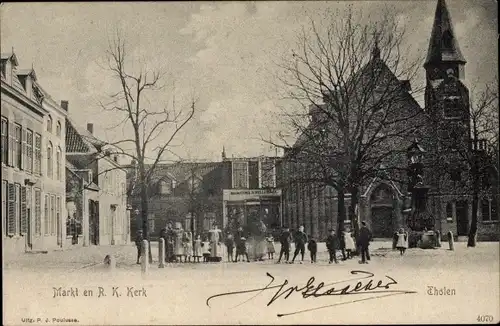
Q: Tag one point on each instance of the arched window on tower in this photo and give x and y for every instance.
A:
(447, 40)
(451, 107)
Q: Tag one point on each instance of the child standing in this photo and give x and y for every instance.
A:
(241, 249)
(349, 243)
(332, 244)
(230, 247)
(197, 252)
(206, 251)
(402, 241)
(285, 239)
(312, 246)
(270, 246)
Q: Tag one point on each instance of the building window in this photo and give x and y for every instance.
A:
(4, 204)
(58, 163)
(489, 209)
(46, 220)
(449, 211)
(267, 174)
(52, 214)
(38, 212)
(451, 108)
(28, 165)
(58, 129)
(38, 154)
(165, 187)
(49, 160)
(240, 175)
(5, 141)
(17, 155)
(49, 124)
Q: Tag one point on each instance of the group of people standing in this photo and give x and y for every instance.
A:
(180, 247)
(343, 242)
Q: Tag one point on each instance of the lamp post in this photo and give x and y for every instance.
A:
(419, 218)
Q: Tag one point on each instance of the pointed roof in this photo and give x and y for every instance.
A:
(443, 45)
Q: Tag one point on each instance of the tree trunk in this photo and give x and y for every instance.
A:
(475, 200)
(144, 215)
(352, 209)
(341, 216)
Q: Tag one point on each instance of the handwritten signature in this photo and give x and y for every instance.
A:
(312, 290)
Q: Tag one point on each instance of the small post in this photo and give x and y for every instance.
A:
(438, 239)
(161, 253)
(110, 262)
(450, 240)
(144, 257)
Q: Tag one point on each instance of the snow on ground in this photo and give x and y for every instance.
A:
(177, 294)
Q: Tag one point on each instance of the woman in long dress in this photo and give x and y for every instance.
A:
(188, 246)
(178, 243)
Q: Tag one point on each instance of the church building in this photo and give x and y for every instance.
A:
(448, 143)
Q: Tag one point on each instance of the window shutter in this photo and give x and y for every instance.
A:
(38, 212)
(24, 213)
(23, 149)
(11, 221)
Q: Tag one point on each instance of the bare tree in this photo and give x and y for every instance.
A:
(356, 114)
(154, 128)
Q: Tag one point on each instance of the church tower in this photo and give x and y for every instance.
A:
(446, 96)
(448, 125)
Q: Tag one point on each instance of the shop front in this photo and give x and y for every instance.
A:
(243, 206)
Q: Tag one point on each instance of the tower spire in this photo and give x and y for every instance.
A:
(443, 45)
(223, 152)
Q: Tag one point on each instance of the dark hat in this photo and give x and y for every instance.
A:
(363, 223)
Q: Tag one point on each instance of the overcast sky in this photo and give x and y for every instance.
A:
(226, 52)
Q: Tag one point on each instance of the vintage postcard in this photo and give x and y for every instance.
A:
(250, 162)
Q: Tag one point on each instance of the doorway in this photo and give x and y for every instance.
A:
(382, 226)
(462, 211)
(381, 203)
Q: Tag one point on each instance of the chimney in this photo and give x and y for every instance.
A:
(90, 128)
(64, 105)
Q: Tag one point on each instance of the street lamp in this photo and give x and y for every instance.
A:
(419, 218)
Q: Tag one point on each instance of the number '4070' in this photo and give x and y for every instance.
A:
(484, 318)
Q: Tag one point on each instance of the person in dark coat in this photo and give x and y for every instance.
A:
(138, 243)
(169, 235)
(364, 238)
(229, 242)
(285, 239)
(332, 244)
(300, 244)
(312, 246)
